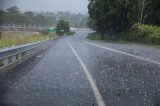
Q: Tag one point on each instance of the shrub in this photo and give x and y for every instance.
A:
(143, 33)
(62, 27)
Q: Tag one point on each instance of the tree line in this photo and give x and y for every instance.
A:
(119, 15)
(13, 16)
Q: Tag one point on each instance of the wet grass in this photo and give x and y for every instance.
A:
(10, 39)
(97, 36)
(94, 36)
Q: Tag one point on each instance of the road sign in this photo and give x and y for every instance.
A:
(51, 29)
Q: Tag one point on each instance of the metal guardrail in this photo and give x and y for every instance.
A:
(11, 56)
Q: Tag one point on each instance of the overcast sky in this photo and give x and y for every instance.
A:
(75, 6)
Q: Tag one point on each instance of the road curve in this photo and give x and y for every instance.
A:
(79, 72)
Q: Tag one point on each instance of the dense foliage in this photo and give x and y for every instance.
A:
(143, 33)
(117, 16)
(62, 27)
(114, 15)
(9, 39)
(13, 16)
(152, 12)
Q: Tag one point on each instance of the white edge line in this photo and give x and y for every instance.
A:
(94, 87)
(124, 53)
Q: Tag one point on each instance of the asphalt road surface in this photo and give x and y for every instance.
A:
(79, 72)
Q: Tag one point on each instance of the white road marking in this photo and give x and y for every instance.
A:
(124, 53)
(94, 87)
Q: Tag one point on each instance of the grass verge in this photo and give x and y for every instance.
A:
(97, 36)
(94, 36)
(10, 39)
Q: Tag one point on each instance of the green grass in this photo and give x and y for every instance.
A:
(94, 36)
(97, 36)
(9, 39)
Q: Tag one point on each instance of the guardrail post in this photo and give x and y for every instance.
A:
(5, 61)
(19, 56)
(13, 58)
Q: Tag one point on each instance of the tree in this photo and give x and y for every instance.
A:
(29, 16)
(13, 10)
(113, 15)
(2, 16)
(125, 13)
(12, 15)
(62, 27)
(97, 11)
(152, 12)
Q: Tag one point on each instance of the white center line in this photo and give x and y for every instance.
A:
(124, 53)
(94, 87)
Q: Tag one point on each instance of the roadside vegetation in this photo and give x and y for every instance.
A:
(128, 20)
(11, 39)
(95, 36)
(63, 28)
(138, 33)
(143, 34)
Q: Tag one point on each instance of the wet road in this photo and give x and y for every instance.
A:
(79, 72)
